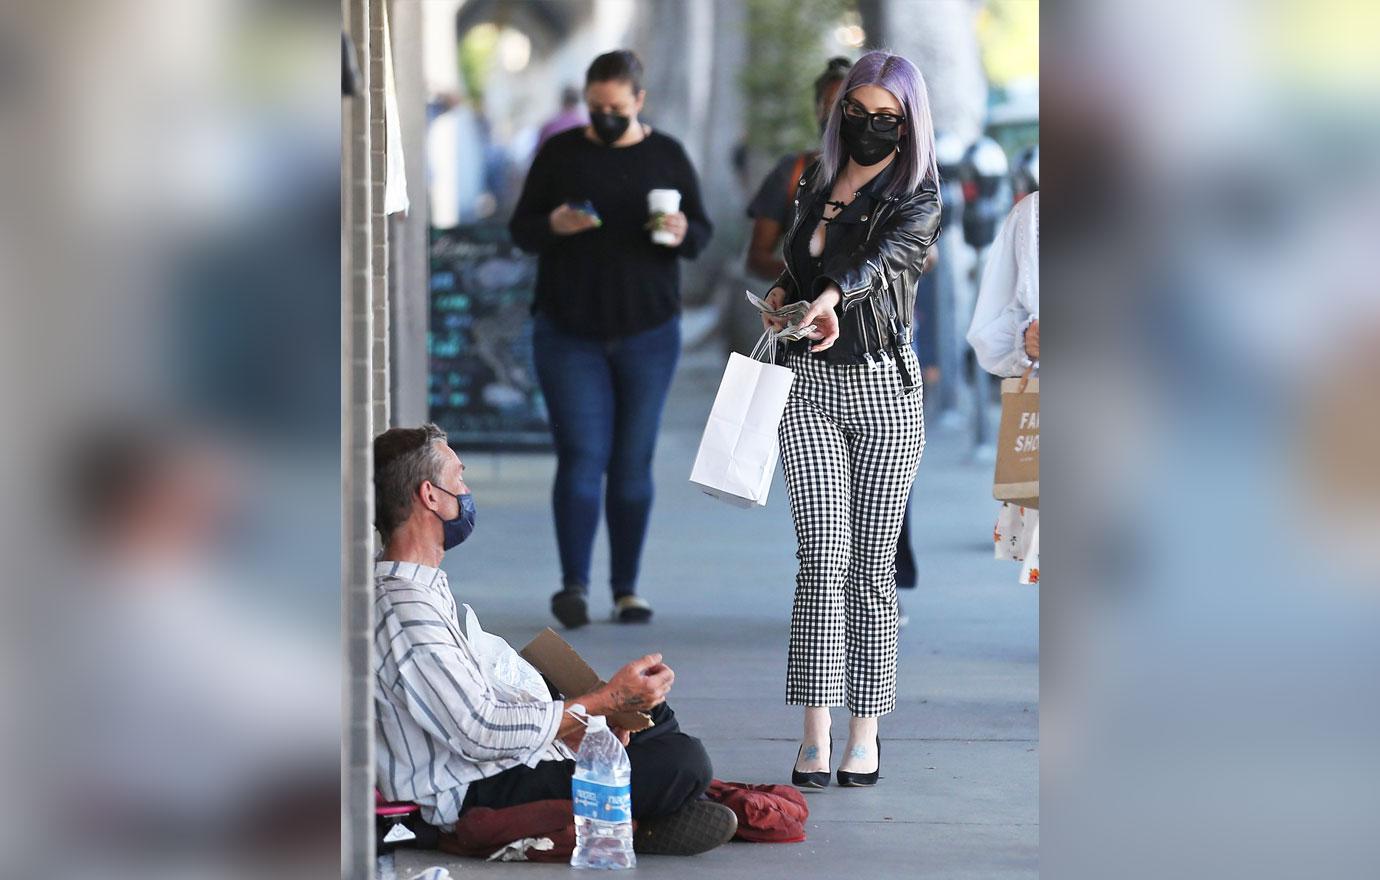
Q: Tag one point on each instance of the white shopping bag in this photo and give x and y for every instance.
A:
(738, 452)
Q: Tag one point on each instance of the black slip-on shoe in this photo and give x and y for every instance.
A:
(571, 608)
(695, 828)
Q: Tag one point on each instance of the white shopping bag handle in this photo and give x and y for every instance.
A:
(767, 345)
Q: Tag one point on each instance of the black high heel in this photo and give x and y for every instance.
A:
(848, 779)
(809, 780)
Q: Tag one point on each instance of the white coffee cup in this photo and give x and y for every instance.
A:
(663, 201)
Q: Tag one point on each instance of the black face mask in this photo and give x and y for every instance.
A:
(865, 146)
(609, 126)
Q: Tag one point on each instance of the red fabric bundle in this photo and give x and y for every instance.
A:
(766, 813)
(482, 831)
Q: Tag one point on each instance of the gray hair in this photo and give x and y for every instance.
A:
(404, 458)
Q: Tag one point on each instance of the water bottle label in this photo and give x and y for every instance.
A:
(602, 803)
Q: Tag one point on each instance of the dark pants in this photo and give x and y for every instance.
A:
(605, 398)
(925, 341)
(925, 336)
(670, 768)
(906, 575)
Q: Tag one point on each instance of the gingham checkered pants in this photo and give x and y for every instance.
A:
(850, 443)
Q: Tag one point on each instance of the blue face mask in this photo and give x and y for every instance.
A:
(460, 528)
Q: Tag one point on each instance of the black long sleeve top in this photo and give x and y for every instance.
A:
(611, 281)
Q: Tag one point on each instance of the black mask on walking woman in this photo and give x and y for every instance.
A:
(609, 126)
(865, 146)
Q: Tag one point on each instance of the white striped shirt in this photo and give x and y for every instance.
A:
(443, 721)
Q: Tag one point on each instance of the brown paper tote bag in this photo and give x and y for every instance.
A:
(1017, 477)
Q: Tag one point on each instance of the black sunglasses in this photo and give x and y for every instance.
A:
(879, 122)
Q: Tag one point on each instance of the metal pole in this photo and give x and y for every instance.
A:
(357, 535)
(984, 443)
(948, 338)
(955, 307)
(378, 170)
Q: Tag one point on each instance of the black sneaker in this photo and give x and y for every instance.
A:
(571, 608)
(695, 828)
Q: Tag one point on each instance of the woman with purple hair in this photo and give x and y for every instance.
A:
(865, 215)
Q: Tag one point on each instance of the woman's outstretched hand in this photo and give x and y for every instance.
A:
(822, 315)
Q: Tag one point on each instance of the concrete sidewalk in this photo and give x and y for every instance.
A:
(960, 793)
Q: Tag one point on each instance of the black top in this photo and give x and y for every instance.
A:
(859, 332)
(776, 195)
(612, 281)
(804, 266)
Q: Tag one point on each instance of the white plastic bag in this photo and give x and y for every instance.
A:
(504, 665)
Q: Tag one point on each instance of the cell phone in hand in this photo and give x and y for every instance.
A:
(587, 207)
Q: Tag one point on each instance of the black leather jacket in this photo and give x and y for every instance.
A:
(881, 271)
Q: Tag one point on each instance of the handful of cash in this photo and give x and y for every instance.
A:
(792, 313)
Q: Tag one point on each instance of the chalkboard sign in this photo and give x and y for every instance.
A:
(483, 388)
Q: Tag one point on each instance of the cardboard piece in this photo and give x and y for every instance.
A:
(554, 658)
(1017, 474)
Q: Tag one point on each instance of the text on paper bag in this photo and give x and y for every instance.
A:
(1029, 438)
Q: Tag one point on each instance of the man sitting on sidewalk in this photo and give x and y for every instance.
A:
(460, 720)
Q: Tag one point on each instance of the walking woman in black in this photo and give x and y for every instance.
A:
(865, 215)
(599, 209)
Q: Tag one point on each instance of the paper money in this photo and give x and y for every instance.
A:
(792, 313)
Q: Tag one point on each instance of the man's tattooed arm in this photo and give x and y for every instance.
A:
(629, 701)
(637, 687)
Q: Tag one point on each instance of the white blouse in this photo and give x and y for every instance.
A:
(1009, 298)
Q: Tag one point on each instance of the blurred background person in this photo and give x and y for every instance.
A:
(211, 728)
(853, 429)
(774, 202)
(455, 136)
(1005, 336)
(572, 115)
(925, 343)
(606, 336)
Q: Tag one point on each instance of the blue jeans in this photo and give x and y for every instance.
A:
(605, 399)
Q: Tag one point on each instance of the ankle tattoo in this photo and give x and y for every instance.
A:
(811, 753)
(858, 752)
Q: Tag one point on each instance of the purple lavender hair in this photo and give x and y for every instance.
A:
(916, 162)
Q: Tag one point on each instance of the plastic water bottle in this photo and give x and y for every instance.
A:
(602, 792)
